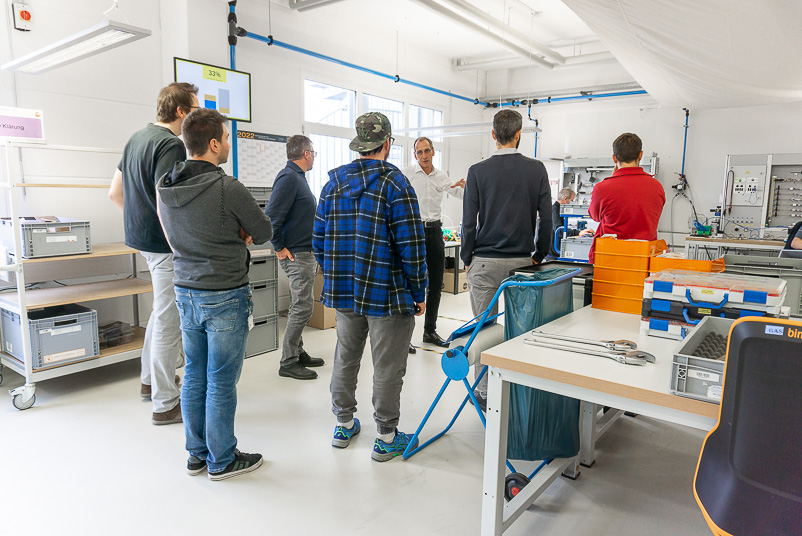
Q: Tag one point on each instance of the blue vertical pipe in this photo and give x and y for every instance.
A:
(684, 142)
(233, 62)
(536, 137)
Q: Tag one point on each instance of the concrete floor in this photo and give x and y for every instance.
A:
(86, 460)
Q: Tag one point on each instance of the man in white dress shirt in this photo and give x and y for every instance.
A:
(429, 184)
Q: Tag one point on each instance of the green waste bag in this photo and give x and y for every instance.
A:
(542, 425)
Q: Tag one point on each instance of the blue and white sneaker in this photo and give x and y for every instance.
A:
(343, 435)
(383, 452)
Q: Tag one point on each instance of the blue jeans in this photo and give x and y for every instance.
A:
(214, 327)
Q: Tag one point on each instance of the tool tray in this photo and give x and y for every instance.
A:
(714, 291)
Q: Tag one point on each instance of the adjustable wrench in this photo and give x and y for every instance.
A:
(634, 357)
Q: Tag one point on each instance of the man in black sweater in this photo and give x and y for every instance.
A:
(504, 195)
(292, 211)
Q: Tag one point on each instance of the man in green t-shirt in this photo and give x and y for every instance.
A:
(149, 154)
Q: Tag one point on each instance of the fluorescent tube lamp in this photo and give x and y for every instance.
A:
(93, 40)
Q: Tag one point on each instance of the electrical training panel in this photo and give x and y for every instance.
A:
(762, 193)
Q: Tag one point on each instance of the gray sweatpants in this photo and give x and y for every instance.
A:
(389, 346)
(485, 275)
(162, 336)
(301, 273)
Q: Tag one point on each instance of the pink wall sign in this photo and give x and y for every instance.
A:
(20, 123)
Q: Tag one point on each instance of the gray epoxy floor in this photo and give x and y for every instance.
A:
(86, 460)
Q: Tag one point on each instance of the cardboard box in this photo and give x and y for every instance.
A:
(322, 317)
(448, 281)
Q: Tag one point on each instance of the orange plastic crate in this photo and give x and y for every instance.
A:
(620, 275)
(619, 290)
(658, 264)
(619, 261)
(630, 247)
(618, 304)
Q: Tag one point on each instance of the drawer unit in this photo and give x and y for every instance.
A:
(263, 267)
(265, 294)
(59, 335)
(263, 337)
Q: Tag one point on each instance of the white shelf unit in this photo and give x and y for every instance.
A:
(22, 300)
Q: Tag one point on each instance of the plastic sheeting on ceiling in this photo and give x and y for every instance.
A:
(704, 53)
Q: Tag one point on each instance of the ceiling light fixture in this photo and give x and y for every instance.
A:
(104, 36)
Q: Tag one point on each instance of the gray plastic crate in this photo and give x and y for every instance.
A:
(265, 298)
(263, 268)
(574, 247)
(699, 377)
(59, 335)
(47, 238)
(788, 269)
(261, 193)
(263, 337)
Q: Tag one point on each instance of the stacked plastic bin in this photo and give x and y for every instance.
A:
(263, 276)
(674, 301)
(620, 268)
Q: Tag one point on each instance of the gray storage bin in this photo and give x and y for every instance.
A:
(699, 377)
(59, 335)
(43, 238)
(263, 337)
(265, 298)
(261, 193)
(574, 247)
(263, 268)
(788, 269)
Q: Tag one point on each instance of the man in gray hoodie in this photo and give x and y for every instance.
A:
(208, 219)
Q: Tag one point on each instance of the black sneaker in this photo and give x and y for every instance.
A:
(296, 371)
(307, 360)
(195, 465)
(243, 463)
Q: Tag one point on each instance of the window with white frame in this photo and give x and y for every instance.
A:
(329, 105)
(329, 115)
(393, 109)
(332, 152)
(420, 117)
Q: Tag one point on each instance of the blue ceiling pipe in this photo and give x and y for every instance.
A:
(395, 78)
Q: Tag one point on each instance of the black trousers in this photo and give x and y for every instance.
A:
(435, 263)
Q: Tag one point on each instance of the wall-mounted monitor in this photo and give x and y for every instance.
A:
(221, 89)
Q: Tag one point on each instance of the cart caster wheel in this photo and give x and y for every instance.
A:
(21, 404)
(513, 484)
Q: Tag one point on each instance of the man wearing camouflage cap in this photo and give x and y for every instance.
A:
(368, 237)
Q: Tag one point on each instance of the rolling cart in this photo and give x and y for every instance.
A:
(481, 332)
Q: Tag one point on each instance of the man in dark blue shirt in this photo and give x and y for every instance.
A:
(148, 155)
(292, 211)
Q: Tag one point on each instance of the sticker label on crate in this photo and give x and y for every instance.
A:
(67, 238)
(705, 311)
(702, 375)
(569, 254)
(775, 330)
(707, 291)
(60, 331)
(714, 391)
(60, 356)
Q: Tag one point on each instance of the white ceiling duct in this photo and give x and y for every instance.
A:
(304, 5)
(711, 54)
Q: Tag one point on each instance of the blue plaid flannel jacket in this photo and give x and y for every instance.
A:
(368, 237)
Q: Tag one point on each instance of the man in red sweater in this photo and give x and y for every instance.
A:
(627, 204)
